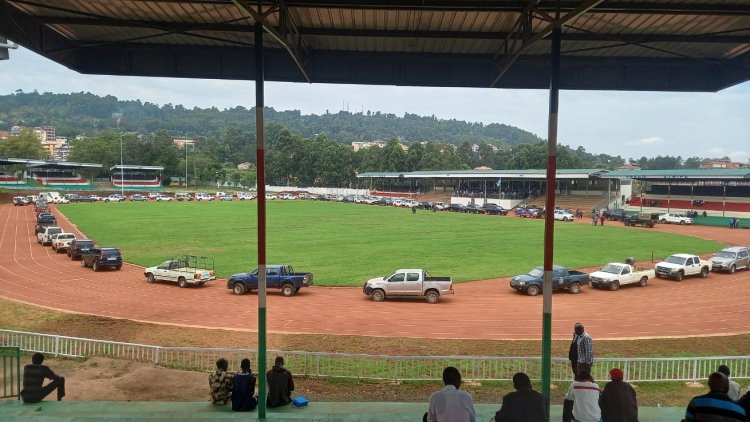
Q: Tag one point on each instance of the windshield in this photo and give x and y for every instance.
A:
(536, 272)
(676, 260)
(85, 243)
(66, 236)
(111, 252)
(726, 254)
(54, 231)
(612, 269)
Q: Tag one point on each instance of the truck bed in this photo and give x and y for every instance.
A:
(434, 278)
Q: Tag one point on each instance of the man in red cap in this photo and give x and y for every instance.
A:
(618, 401)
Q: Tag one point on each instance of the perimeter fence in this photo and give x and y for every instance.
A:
(376, 367)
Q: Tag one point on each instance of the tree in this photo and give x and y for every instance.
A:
(393, 157)
(465, 154)
(25, 145)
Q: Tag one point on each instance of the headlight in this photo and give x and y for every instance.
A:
(521, 283)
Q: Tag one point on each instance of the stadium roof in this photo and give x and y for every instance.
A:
(63, 165)
(129, 167)
(680, 174)
(485, 174)
(14, 161)
(664, 45)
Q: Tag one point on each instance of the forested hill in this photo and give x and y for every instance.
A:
(85, 113)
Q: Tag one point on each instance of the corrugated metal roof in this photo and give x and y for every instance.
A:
(484, 174)
(680, 174)
(446, 43)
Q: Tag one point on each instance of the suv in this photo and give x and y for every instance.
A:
(18, 200)
(97, 258)
(615, 215)
(45, 237)
(200, 196)
(675, 219)
(731, 259)
(79, 247)
(490, 208)
(183, 196)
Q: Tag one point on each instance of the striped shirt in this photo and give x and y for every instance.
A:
(714, 407)
(585, 396)
(585, 349)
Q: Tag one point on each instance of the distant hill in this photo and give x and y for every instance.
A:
(85, 113)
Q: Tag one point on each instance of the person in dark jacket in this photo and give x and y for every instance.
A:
(33, 378)
(243, 389)
(524, 404)
(618, 401)
(716, 405)
(280, 384)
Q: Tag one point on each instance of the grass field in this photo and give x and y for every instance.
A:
(344, 244)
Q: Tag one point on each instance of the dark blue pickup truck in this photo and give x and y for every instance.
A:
(277, 277)
(562, 279)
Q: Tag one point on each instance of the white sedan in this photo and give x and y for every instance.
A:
(563, 215)
(270, 197)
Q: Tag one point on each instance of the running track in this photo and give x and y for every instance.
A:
(487, 309)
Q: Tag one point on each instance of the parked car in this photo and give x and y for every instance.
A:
(43, 223)
(164, 198)
(245, 196)
(61, 242)
(494, 209)
(183, 196)
(678, 266)
(95, 198)
(18, 201)
(563, 215)
(138, 198)
(184, 271)
(79, 198)
(614, 215)
(642, 218)
(532, 282)
(153, 195)
(270, 197)
(79, 247)
(614, 275)
(287, 196)
(277, 277)
(473, 209)
(98, 258)
(201, 196)
(529, 212)
(225, 197)
(115, 197)
(731, 259)
(44, 237)
(455, 208)
(408, 283)
(675, 219)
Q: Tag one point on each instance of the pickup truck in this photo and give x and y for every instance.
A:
(643, 218)
(675, 219)
(563, 215)
(562, 279)
(277, 277)
(185, 271)
(408, 283)
(45, 236)
(61, 242)
(679, 265)
(614, 275)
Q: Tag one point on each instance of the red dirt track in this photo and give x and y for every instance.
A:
(486, 309)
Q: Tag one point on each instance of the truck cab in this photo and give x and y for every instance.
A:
(678, 266)
(281, 277)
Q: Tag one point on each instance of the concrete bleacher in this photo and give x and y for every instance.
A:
(12, 411)
(737, 204)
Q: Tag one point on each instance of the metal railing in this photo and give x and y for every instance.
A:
(10, 383)
(377, 367)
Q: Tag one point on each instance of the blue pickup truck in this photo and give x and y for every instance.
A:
(562, 279)
(277, 277)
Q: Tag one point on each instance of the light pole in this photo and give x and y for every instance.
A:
(186, 167)
(122, 172)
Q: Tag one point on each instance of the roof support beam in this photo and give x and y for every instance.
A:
(569, 16)
(292, 43)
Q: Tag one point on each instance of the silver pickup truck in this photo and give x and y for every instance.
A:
(408, 283)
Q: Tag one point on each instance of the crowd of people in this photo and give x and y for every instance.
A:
(584, 401)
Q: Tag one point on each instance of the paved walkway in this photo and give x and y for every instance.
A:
(169, 411)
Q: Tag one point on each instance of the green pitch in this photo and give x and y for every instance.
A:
(345, 244)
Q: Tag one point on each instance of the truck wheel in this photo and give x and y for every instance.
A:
(663, 221)
(83, 262)
(704, 272)
(287, 290)
(614, 285)
(682, 222)
(378, 295)
(643, 281)
(651, 225)
(680, 275)
(732, 269)
(182, 282)
(432, 297)
(532, 290)
(150, 278)
(95, 266)
(238, 289)
(575, 288)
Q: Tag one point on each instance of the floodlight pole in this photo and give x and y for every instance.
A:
(261, 166)
(122, 171)
(549, 214)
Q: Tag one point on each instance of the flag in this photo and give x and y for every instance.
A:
(498, 182)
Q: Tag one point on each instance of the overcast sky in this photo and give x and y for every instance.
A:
(630, 124)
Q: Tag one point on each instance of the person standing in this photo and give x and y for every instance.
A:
(33, 378)
(601, 219)
(581, 353)
(524, 404)
(243, 389)
(280, 384)
(618, 401)
(584, 395)
(734, 388)
(220, 383)
(450, 403)
(716, 405)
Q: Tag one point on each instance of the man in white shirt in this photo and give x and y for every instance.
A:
(451, 404)
(584, 393)
(734, 387)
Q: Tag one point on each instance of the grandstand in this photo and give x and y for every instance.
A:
(11, 175)
(61, 175)
(132, 177)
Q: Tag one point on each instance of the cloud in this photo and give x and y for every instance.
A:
(653, 140)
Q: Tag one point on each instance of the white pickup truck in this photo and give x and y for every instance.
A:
(563, 215)
(679, 265)
(61, 242)
(185, 271)
(675, 219)
(408, 283)
(614, 275)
